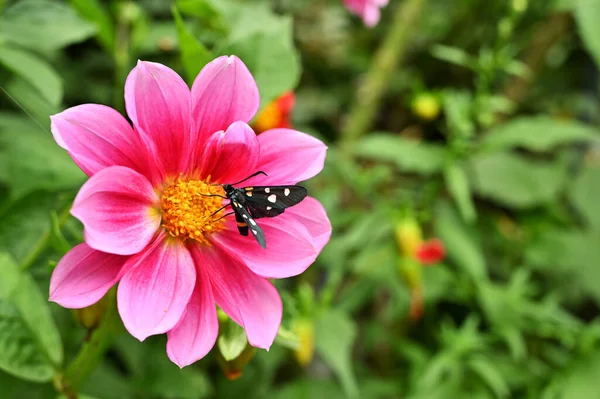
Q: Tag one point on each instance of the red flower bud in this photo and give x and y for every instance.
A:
(431, 252)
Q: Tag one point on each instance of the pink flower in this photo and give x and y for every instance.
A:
(148, 228)
(368, 10)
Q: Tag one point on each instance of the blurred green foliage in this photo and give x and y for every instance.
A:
(487, 135)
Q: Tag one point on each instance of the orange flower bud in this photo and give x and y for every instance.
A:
(233, 369)
(276, 114)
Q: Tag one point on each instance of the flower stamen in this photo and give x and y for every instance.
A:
(192, 209)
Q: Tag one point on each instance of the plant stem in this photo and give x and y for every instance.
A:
(544, 38)
(43, 242)
(91, 352)
(368, 96)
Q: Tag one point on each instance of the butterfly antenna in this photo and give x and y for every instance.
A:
(24, 110)
(217, 211)
(260, 172)
(212, 195)
(225, 215)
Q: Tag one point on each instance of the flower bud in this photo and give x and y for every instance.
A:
(426, 106)
(430, 252)
(91, 316)
(129, 11)
(276, 114)
(233, 369)
(304, 328)
(410, 270)
(408, 236)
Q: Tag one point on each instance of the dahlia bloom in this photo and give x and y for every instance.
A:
(368, 10)
(149, 225)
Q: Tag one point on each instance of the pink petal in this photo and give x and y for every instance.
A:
(237, 154)
(313, 216)
(368, 10)
(288, 157)
(250, 300)
(290, 249)
(157, 287)
(97, 137)
(159, 102)
(211, 152)
(197, 331)
(371, 15)
(355, 6)
(83, 276)
(118, 209)
(224, 92)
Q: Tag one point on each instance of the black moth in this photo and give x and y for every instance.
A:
(249, 203)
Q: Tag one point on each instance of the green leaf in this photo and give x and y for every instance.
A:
(460, 241)
(584, 195)
(25, 95)
(581, 379)
(335, 333)
(537, 134)
(30, 345)
(165, 380)
(453, 55)
(409, 155)
(287, 339)
(515, 181)
(57, 239)
(264, 41)
(33, 160)
(458, 186)
(26, 223)
(43, 25)
(106, 375)
(572, 254)
(310, 388)
(458, 107)
(587, 15)
(193, 53)
(35, 71)
(490, 374)
(96, 13)
(232, 340)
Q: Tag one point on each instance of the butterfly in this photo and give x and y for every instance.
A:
(250, 203)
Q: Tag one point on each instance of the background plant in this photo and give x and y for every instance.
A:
(476, 119)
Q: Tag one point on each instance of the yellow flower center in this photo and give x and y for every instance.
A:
(190, 209)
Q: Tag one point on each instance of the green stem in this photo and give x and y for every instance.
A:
(44, 240)
(332, 284)
(368, 96)
(92, 351)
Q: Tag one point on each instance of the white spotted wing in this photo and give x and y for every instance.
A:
(246, 223)
(270, 201)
